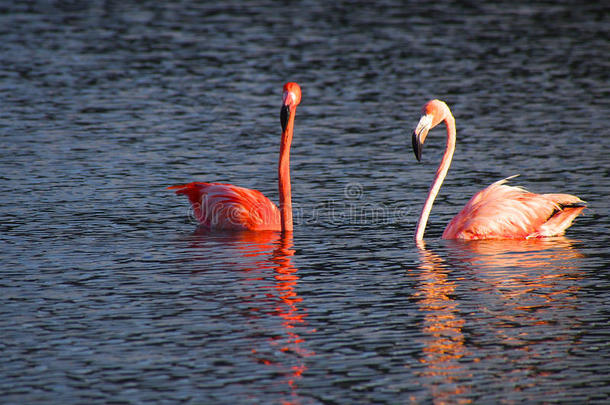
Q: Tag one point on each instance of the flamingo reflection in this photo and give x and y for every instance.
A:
(554, 252)
(529, 283)
(289, 310)
(265, 257)
(444, 340)
(513, 293)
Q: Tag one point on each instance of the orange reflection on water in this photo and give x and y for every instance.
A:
(292, 315)
(269, 258)
(444, 345)
(532, 292)
(520, 268)
(520, 253)
(526, 292)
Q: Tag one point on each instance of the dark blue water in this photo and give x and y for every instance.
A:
(110, 294)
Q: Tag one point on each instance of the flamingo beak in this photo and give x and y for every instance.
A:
(419, 135)
(284, 114)
(288, 100)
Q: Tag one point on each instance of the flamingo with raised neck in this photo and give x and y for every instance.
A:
(219, 206)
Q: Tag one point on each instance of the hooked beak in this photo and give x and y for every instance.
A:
(288, 100)
(419, 135)
(284, 114)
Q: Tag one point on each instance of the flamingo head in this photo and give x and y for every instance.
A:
(433, 113)
(290, 99)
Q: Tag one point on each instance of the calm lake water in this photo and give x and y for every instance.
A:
(110, 294)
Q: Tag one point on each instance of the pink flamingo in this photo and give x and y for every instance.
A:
(220, 206)
(498, 211)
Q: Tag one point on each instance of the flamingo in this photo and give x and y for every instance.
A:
(498, 211)
(219, 206)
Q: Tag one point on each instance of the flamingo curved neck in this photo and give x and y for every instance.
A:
(284, 176)
(441, 173)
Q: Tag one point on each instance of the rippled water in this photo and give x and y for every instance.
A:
(109, 293)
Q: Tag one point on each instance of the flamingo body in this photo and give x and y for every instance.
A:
(498, 211)
(505, 212)
(227, 207)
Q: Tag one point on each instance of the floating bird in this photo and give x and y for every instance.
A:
(219, 206)
(498, 211)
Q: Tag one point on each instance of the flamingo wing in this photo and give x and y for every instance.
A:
(227, 207)
(506, 212)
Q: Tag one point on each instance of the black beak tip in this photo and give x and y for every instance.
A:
(284, 114)
(417, 146)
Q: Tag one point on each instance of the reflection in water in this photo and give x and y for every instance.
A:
(520, 270)
(282, 350)
(444, 341)
(521, 253)
(514, 294)
(289, 311)
(528, 296)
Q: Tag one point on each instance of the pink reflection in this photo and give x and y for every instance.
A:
(526, 253)
(444, 343)
(527, 291)
(530, 288)
(519, 270)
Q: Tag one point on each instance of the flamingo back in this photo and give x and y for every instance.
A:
(227, 207)
(506, 212)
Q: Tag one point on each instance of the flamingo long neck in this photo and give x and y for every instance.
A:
(284, 175)
(441, 173)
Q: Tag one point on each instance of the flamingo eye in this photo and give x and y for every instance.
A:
(293, 98)
(425, 122)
